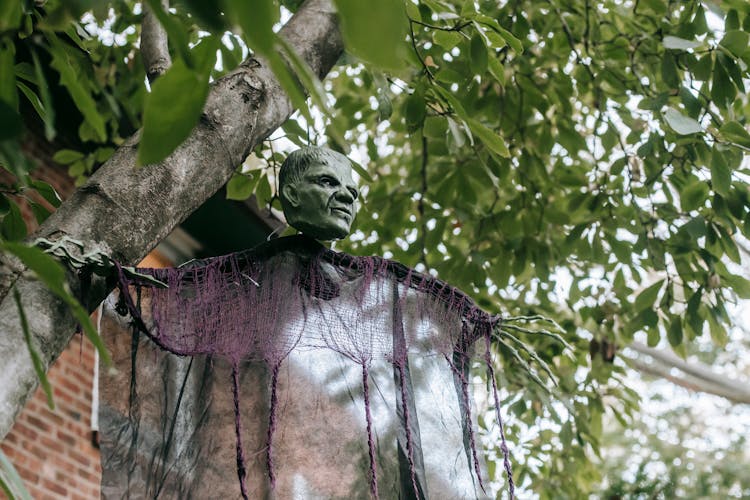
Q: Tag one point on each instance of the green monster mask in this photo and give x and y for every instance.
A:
(318, 193)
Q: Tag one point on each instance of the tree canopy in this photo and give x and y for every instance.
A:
(566, 159)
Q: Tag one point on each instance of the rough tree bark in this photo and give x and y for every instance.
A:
(125, 211)
(154, 44)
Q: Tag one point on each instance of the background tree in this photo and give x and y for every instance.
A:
(578, 160)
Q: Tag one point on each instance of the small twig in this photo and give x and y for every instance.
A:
(514, 352)
(154, 44)
(420, 203)
(416, 51)
(534, 317)
(545, 333)
(457, 27)
(530, 352)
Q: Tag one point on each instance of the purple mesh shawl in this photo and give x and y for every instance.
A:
(292, 294)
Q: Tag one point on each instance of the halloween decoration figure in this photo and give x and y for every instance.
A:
(318, 193)
(298, 371)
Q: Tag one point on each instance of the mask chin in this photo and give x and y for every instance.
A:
(320, 230)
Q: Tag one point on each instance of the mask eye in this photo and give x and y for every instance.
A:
(326, 182)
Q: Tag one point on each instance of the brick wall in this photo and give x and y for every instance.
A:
(54, 451)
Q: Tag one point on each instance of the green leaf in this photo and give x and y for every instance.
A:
(240, 186)
(39, 211)
(702, 68)
(722, 88)
(47, 192)
(52, 274)
(509, 38)
(693, 195)
(734, 132)
(449, 98)
(414, 110)
(721, 176)
(652, 337)
(680, 123)
(478, 55)
(171, 111)
(669, 71)
(8, 93)
(717, 330)
(673, 42)
(67, 156)
(4, 205)
(310, 81)
(362, 171)
(446, 39)
(10, 14)
(10, 481)
(46, 97)
(739, 285)
(256, 17)
(496, 69)
(732, 21)
(674, 333)
(209, 13)
(489, 138)
(647, 297)
(33, 99)
(736, 42)
(13, 227)
(10, 119)
(385, 105)
(699, 23)
(375, 31)
(67, 65)
(10, 122)
(36, 360)
(728, 244)
(457, 133)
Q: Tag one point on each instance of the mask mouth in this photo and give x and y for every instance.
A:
(342, 210)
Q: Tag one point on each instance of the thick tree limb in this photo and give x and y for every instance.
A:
(695, 376)
(125, 211)
(154, 44)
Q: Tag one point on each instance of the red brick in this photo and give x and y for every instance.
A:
(53, 417)
(27, 475)
(55, 487)
(36, 492)
(37, 451)
(66, 438)
(11, 439)
(52, 445)
(21, 429)
(87, 475)
(79, 457)
(72, 385)
(66, 466)
(37, 423)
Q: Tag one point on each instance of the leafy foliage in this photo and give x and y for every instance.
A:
(10, 482)
(576, 160)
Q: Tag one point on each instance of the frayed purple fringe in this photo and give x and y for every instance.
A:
(230, 307)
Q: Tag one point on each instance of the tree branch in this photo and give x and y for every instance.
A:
(125, 211)
(154, 44)
(697, 377)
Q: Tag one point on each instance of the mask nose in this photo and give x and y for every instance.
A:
(344, 195)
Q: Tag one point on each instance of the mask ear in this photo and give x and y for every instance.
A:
(289, 192)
